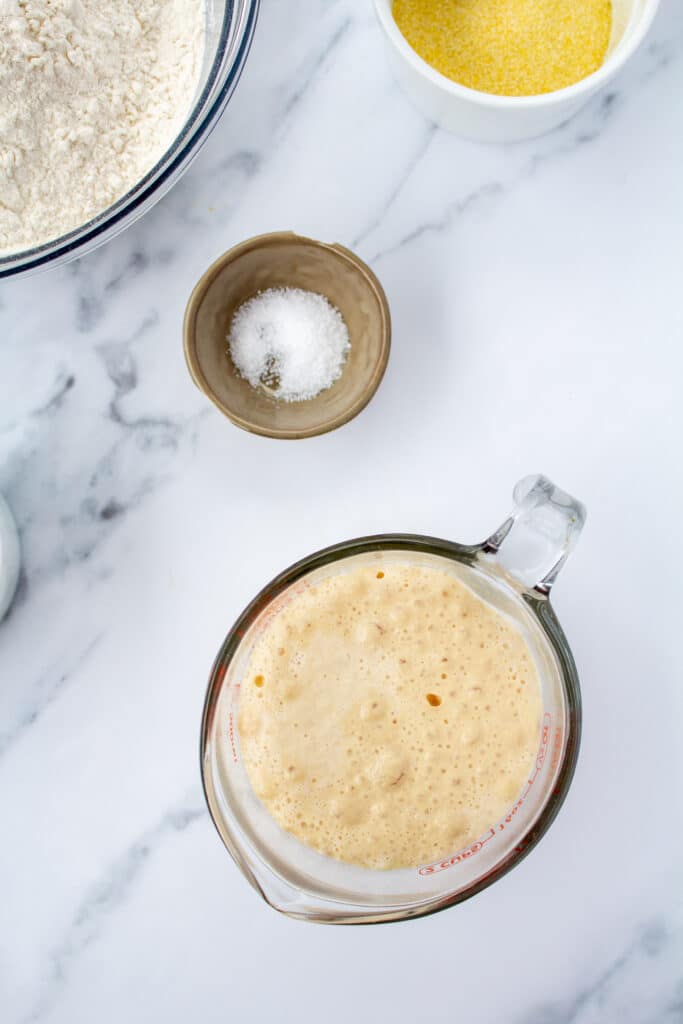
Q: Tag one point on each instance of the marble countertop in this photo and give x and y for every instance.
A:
(536, 297)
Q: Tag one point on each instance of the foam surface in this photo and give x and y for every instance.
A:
(389, 716)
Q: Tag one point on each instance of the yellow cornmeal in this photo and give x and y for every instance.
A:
(509, 47)
(389, 716)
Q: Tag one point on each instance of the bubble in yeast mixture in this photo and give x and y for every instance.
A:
(395, 730)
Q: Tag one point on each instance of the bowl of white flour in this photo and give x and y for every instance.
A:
(102, 108)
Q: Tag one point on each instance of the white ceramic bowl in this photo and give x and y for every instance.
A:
(488, 118)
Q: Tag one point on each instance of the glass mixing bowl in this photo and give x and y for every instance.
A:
(229, 30)
(513, 571)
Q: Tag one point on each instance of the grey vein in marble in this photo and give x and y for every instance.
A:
(103, 899)
(656, 56)
(150, 437)
(63, 524)
(601, 111)
(64, 382)
(47, 688)
(301, 89)
(605, 1000)
(388, 202)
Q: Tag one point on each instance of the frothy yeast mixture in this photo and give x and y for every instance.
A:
(389, 716)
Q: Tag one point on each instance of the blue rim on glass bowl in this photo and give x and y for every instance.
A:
(230, 29)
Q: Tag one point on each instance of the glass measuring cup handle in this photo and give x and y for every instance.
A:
(534, 542)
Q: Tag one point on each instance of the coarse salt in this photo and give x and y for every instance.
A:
(291, 341)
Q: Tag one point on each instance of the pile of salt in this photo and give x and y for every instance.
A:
(291, 341)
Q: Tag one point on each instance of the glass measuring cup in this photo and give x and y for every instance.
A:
(513, 571)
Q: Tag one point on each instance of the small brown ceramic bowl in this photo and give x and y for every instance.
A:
(286, 260)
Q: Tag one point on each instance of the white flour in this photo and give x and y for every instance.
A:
(91, 94)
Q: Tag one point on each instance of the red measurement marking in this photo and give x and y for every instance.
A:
(231, 736)
(471, 851)
(557, 749)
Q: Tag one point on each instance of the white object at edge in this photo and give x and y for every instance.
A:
(9, 557)
(489, 118)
